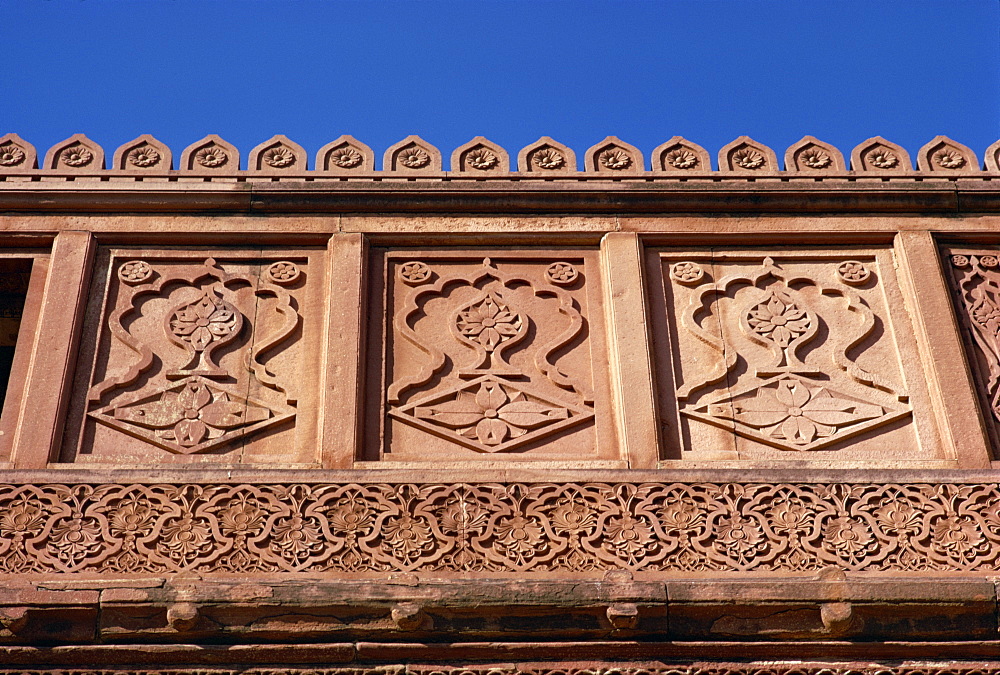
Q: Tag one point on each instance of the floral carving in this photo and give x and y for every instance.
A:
(882, 158)
(11, 155)
(681, 158)
(133, 517)
(346, 157)
(414, 273)
(189, 414)
(482, 159)
(278, 157)
(548, 158)
(135, 272)
(849, 537)
(185, 538)
(519, 538)
(949, 158)
(562, 273)
(143, 156)
(740, 537)
(614, 159)
(492, 415)
(977, 287)
(76, 155)
(407, 536)
(296, 538)
(815, 158)
(489, 322)
(779, 320)
(75, 538)
(688, 273)
(206, 320)
(799, 414)
(853, 272)
(21, 519)
(211, 156)
(748, 158)
(283, 272)
(414, 157)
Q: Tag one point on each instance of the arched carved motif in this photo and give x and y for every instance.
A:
(745, 155)
(680, 154)
(211, 156)
(16, 154)
(945, 155)
(345, 155)
(614, 156)
(76, 153)
(480, 156)
(880, 156)
(277, 156)
(546, 156)
(412, 155)
(812, 155)
(992, 162)
(144, 153)
(189, 349)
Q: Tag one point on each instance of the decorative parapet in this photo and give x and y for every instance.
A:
(280, 158)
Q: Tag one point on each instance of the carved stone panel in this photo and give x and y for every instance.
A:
(488, 356)
(797, 355)
(975, 282)
(198, 357)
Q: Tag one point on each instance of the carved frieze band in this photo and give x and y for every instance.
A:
(706, 668)
(498, 528)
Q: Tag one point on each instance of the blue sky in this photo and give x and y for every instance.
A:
(709, 70)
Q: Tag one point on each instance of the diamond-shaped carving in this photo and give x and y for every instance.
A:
(794, 413)
(491, 415)
(190, 416)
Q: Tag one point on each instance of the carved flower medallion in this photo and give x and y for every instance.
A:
(882, 158)
(948, 158)
(847, 536)
(414, 273)
(489, 322)
(748, 158)
(682, 159)
(283, 272)
(135, 272)
(206, 320)
(614, 159)
(22, 518)
(76, 155)
(11, 155)
(562, 273)
(853, 272)
(815, 158)
(346, 157)
(144, 156)
(211, 156)
(548, 159)
(482, 159)
(779, 320)
(278, 157)
(688, 273)
(296, 538)
(414, 157)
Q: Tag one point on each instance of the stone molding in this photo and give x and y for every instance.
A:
(941, 157)
(495, 530)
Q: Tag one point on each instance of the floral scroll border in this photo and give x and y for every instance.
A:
(707, 668)
(496, 529)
